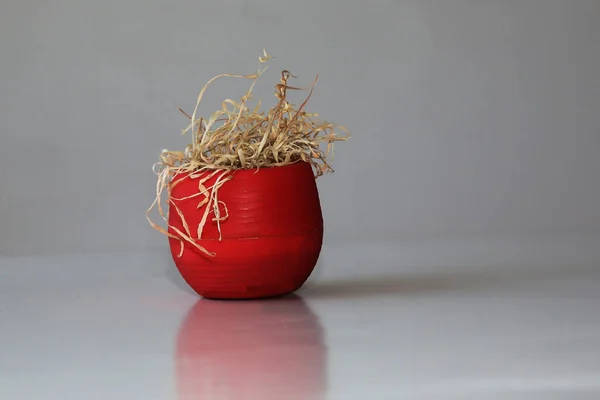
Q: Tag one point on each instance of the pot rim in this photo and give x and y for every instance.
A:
(243, 170)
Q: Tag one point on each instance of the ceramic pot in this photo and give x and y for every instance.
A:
(269, 349)
(269, 243)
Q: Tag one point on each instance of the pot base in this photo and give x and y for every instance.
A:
(218, 297)
(250, 268)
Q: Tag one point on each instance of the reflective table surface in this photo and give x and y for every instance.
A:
(381, 321)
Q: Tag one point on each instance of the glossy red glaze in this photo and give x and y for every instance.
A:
(270, 242)
(261, 350)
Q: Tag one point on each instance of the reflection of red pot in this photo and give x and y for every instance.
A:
(271, 239)
(266, 349)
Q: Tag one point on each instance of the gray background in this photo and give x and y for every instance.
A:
(475, 118)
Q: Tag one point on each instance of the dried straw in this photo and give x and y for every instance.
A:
(237, 137)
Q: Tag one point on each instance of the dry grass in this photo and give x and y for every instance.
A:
(240, 137)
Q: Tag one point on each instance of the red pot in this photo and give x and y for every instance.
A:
(261, 350)
(269, 243)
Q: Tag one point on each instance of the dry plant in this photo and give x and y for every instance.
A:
(238, 137)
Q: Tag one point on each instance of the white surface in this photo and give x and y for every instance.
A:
(106, 327)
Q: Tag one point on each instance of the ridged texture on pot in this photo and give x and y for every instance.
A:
(270, 242)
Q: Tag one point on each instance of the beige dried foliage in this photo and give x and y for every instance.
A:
(240, 137)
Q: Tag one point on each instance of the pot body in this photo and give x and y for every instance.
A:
(267, 246)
